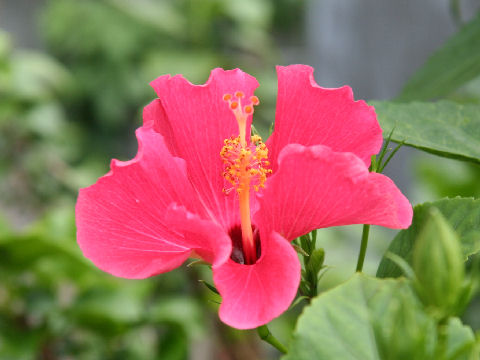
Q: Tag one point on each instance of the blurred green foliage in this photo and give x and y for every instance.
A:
(54, 303)
(36, 142)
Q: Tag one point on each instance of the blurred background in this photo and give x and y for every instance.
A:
(74, 78)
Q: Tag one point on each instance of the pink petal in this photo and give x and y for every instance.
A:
(308, 114)
(322, 188)
(198, 122)
(154, 115)
(206, 238)
(252, 295)
(120, 220)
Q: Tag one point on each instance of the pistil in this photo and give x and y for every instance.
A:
(249, 246)
(245, 166)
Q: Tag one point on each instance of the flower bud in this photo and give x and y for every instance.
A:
(315, 261)
(438, 265)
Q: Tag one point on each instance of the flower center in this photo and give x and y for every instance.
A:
(245, 166)
(238, 254)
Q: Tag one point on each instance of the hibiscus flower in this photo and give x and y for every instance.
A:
(199, 186)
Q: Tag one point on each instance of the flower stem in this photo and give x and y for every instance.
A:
(267, 336)
(363, 247)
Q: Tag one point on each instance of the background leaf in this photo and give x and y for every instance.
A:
(364, 318)
(463, 214)
(460, 341)
(443, 128)
(451, 66)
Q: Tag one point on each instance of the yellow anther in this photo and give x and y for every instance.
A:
(245, 167)
(256, 139)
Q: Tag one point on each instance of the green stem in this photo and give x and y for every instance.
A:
(314, 239)
(363, 248)
(267, 336)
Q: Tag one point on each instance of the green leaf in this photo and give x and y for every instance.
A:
(362, 319)
(37, 76)
(402, 264)
(179, 310)
(463, 214)
(451, 66)
(460, 341)
(123, 305)
(443, 128)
